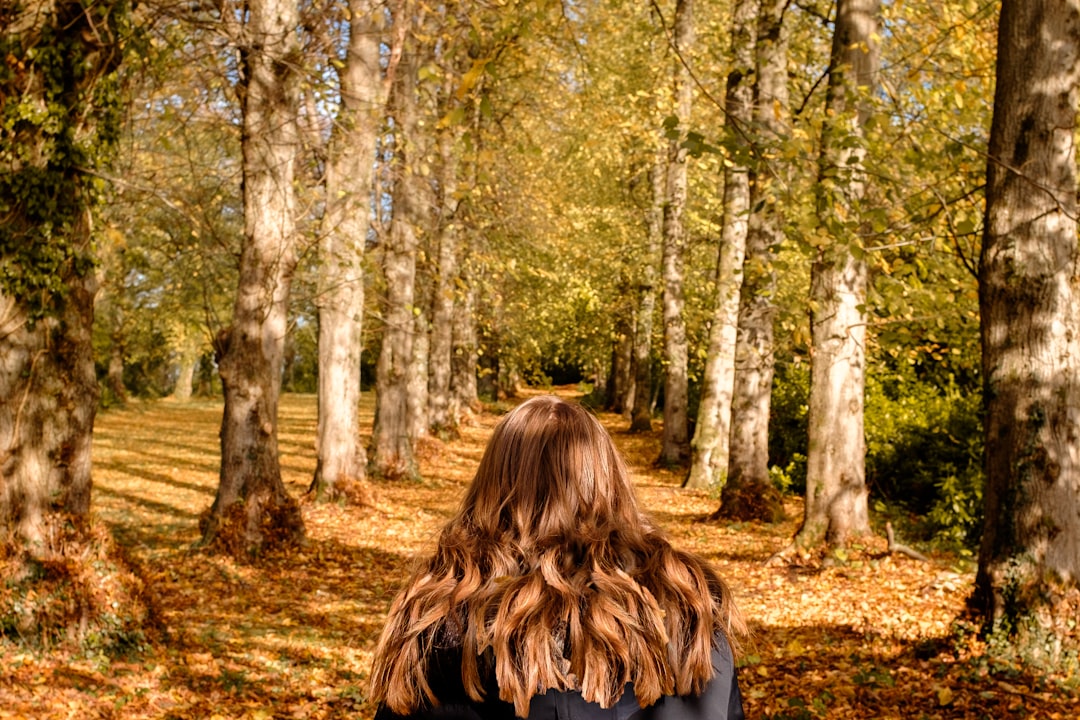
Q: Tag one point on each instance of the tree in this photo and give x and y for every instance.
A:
(250, 351)
(349, 180)
(748, 493)
(392, 453)
(641, 414)
(58, 126)
(675, 442)
(1029, 297)
(836, 493)
(60, 100)
(709, 449)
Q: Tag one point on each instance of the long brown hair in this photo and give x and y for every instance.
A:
(550, 567)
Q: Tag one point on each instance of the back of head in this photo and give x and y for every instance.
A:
(550, 571)
(550, 474)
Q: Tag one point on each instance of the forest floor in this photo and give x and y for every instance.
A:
(291, 636)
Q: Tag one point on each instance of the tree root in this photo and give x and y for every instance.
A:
(895, 547)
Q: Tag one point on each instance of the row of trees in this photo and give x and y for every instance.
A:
(481, 194)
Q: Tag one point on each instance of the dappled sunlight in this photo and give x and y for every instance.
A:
(292, 634)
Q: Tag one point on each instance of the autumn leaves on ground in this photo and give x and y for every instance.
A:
(290, 636)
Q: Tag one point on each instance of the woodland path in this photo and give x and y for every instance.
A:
(291, 635)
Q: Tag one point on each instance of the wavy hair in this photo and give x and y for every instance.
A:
(550, 568)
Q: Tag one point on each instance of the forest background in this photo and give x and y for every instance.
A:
(450, 203)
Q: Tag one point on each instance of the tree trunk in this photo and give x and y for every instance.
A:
(350, 160)
(188, 353)
(748, 493)
(252, 509)
(675, 443)
(709, 450)
(417, 400)
(115, 372)
(1028, 581)
(641, 415)
(49, 391)
(63, 581)
(836, 494)
(442, 301)
(620, 383)
(464, 393)
(391, 441)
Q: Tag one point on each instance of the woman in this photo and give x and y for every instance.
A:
(550, 595)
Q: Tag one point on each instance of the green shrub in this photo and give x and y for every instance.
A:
(924, 452)
(923, 449)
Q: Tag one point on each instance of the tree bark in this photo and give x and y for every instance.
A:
(185, 378)
(748, 493)
(250, 351)
(48, 385)
(675, 442)
(1028, 581)
(641, 414)
(342, 460)
(417, 399)
(442, 302)
(115, 372)
(48, 280)
(464, 394)
(709, 450)
(620, 382)
(836, 493)
(391, 450)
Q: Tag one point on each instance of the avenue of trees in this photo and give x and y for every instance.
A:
(831, 246)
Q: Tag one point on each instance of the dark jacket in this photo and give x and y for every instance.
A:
(719, 701)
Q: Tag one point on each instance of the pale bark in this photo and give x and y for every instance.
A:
(748, 493)
(709, 449)
(341, 458)
(641, 414)
(1028, 579)
(416, 401)
(675, 442)
(115, 373)
(442, 301)
(836, 493)
(391, 449)
(250, 351)
(185, 376)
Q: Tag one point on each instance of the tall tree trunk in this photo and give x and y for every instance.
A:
(417, 400)
(675, 443)
(48, 386)
(392, 453)
(464, 393)
(185, 376)
(250, 351)
(350, 161)
(620, 382)
(836, 493)
(748, 493)
(115, 372)
(709, 450)
(1028, 581)
(442, 301)
(641, 414)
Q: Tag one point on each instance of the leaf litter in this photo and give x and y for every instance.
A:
(291, 635)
